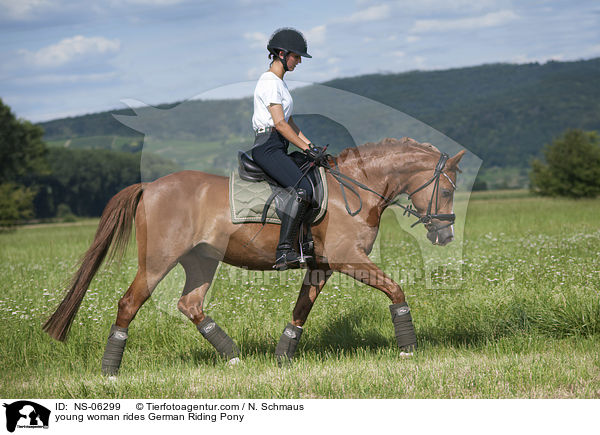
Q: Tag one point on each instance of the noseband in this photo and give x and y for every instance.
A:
(423, 219)
(428, 217)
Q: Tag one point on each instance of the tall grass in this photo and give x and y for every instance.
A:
(525, 321)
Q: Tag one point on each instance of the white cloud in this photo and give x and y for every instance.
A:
(373, 13)
(70, 49)
(316, 35)
(491, 19)
(22, 9)
(66, 78)
(256, 39)
(254, 73)
(412, 38)
(437, 6)
(420, 61)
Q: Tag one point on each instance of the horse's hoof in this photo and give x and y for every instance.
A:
(406, 354)
(112, 378)
(234, 361)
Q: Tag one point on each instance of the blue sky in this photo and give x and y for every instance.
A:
(63, 58)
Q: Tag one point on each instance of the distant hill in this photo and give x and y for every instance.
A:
(504, 113)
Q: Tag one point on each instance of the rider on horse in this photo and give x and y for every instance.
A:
(275, 129)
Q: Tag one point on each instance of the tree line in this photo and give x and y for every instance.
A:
(41, 182)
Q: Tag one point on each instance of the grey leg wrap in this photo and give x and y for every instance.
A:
(288, 343)
(218, 338)
(113, 353)
(403, 327)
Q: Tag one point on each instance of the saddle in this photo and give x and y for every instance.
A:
(249, 171)
(256, 197)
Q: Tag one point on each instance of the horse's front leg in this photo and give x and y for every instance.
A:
(313, 283)
(364, 270)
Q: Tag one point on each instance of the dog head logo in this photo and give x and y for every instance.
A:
(26, 414)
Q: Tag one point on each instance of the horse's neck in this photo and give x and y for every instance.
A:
(386, 173)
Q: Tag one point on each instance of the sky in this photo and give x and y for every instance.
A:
(62, 58)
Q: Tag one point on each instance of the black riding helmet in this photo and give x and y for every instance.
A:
(289, 41)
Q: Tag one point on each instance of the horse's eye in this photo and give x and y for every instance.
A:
(446, 193)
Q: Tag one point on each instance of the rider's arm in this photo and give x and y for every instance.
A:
(286, 128)
(297, 130)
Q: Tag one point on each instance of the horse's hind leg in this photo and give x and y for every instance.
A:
(155, 260)
(199, 272)
(138, 292)
(313, 283)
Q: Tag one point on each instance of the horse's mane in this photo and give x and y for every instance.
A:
(384, 147)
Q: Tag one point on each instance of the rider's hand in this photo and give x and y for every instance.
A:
(316, 154)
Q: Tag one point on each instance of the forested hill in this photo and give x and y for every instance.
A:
(504, 113)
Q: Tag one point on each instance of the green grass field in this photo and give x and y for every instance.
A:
(525, 322)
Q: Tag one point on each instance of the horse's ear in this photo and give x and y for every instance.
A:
(453, 161)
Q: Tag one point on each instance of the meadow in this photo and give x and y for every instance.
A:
(523, 323)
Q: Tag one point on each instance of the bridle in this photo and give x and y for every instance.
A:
(425, 219)
(428, 217)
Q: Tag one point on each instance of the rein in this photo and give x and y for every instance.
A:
(345, 181)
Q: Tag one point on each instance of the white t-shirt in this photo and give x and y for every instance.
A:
(270, 89)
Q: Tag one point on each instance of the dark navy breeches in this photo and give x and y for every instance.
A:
(270, 152)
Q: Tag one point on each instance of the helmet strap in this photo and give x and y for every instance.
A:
(284, 60)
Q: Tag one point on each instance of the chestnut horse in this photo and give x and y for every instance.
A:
(184, 218)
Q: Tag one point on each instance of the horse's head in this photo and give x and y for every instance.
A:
(432, 193)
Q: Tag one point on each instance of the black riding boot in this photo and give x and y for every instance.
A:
(293, 214)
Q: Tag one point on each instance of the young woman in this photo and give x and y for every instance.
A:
(275, 130)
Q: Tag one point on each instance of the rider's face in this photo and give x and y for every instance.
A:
(293, 60)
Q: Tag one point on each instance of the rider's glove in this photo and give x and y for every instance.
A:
(316, 154)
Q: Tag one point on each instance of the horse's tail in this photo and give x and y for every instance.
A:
(115, 226)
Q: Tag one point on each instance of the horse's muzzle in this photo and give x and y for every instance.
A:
(440, 235)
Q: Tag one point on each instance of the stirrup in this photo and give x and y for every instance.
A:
(282, 263)
(306, 252)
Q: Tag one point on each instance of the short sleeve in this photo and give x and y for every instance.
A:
(270, 93)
